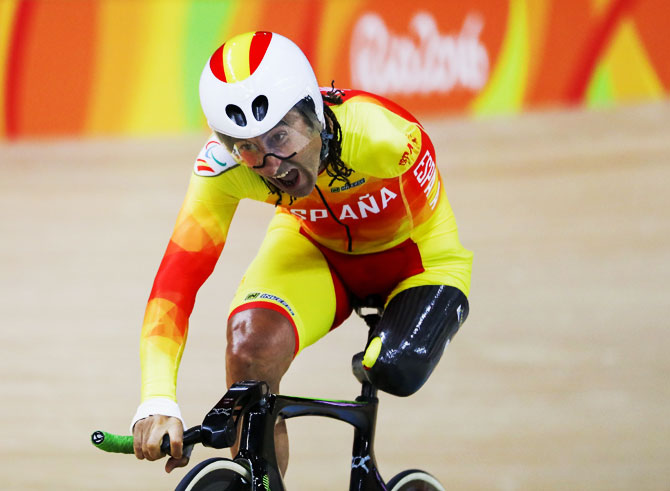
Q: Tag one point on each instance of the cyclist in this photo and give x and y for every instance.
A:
(360, 210)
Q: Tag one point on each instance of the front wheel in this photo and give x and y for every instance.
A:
(216, 474)
(414, 480)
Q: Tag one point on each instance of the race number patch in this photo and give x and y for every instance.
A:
(213, 160)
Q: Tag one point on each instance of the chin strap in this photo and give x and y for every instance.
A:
(325, 138)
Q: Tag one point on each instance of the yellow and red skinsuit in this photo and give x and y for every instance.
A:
(395, 195)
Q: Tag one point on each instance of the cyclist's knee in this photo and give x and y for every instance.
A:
(260, 345)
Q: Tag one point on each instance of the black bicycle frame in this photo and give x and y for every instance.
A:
(259, 409)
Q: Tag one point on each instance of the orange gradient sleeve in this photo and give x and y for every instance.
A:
(194, 248)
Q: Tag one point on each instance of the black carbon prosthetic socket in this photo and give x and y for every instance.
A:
(414, 330)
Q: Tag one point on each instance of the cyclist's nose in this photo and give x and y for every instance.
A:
(270, 165)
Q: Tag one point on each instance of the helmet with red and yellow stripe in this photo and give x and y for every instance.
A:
(252, 81)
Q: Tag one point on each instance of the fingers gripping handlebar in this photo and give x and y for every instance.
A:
(110, 442)
(218, 429)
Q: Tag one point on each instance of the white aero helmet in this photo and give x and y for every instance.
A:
(252, 81)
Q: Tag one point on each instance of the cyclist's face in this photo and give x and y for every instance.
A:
(288, 155)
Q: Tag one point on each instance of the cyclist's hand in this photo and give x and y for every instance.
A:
(148, 435)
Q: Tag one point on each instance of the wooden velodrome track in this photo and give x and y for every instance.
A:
(558, 380)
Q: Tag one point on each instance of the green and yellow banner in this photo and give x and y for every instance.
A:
(131, 67)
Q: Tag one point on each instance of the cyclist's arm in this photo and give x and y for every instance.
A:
(193, 250)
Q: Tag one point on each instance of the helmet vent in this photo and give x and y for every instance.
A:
(259, 107)
(236, 114)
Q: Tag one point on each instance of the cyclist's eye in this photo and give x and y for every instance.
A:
(278, 138)
(245, 147)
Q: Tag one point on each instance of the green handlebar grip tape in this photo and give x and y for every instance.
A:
(112, 443)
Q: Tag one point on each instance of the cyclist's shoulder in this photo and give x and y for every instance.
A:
(213, 159)
(379, 137)
(359, 103)
(215, 168)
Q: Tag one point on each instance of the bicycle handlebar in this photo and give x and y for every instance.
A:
(109, 442)
(218, 429)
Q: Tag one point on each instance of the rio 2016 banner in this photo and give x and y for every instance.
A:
(114, 67)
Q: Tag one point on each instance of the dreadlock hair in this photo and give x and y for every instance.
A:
(335, 167)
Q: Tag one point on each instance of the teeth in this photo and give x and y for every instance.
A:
(280, 176)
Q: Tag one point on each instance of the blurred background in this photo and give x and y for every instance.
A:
(551, 122)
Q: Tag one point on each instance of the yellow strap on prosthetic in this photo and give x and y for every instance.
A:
(372, 352)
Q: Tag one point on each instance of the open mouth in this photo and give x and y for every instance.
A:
(289, 178)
